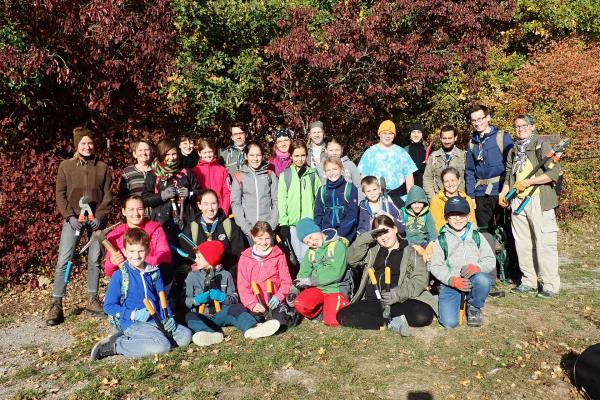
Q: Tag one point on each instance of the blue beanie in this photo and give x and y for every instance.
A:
(305, 227)
(457, 204)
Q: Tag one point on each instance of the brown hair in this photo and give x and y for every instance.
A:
(369, 180)
(136, 144)
(479, 107)
(204, 192)
(448, 128)
(133, 197)
(298, 144)
(449, 170)
(261, 227)
(334, 140)
(163, 147)
(136, 236)
(384, 220)
(202, 144)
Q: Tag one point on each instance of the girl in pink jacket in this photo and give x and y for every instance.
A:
(212, 175)
(263, 278)
(159, 253)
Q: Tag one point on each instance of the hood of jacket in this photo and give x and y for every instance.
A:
(416, 195)
(262, 169)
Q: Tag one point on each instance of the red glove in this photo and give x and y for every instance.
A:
(462, 284)
(469, 270)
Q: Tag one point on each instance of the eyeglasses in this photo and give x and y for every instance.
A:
(474, 121)
(518, 127)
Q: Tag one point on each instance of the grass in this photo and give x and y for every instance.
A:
(518, 353)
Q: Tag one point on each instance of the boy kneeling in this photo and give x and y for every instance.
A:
(130, 286)
(462, 262)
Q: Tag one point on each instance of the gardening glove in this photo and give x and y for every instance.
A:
(502, 200)
(284, 232)
(179, 222)
(168, 193)
(469, 270)
(273, 303)
(170, 325)
(202, 298)
(95, 224)
(217, 295)
(303, 282)
(183, 192)
(75, 224)
(520, 186)
(140, 315)
(462, 284)
(428, 252)
(389, 298)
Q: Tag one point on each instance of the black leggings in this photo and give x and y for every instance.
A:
(367, 314)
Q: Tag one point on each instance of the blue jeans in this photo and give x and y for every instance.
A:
(143, 339)
(66, 249)
(449, 298)
(230, 315)
(300, 248)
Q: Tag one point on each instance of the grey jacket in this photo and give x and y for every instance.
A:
(432, 183)
(548, 197)
(413, 279)
(254, 197)
(195, 283)
(460, 253)
(350, 173)
(231, 158)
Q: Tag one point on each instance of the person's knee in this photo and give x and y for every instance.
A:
(182, 335)
(482, 280)
(448, 320)
(421, 319)
(158, 346)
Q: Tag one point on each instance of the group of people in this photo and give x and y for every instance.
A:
(230, 238)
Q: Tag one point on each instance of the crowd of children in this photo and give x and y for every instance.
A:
(226, 238)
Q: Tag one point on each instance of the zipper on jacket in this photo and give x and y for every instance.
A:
(257, 199)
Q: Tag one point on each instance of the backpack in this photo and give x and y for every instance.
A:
(499, 142)
(238, 177)
(444, 243)
(586, 371)
(287, 177)
(113, 319)
(558, 185)
(226, 226)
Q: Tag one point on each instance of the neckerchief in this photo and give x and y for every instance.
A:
(520, 155)
(213, 227)
(240, 153)
(448, 156)
(164, 171)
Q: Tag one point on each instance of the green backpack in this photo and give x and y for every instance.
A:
(444, 243)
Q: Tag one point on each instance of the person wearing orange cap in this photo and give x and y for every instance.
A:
(213, 302)
(389, 161)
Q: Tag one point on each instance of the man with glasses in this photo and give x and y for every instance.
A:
(232, 157)
(534, 229)
(485, 169)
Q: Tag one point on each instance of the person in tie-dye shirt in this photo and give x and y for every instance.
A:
(390, 161)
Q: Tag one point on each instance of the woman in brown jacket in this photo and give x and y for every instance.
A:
(82, 180)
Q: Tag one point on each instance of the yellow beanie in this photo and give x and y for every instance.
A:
(387, 126)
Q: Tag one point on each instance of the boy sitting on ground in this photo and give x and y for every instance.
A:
(374, 204)
(210, 283)
(135, 281)
(323, 275)
(462, 262)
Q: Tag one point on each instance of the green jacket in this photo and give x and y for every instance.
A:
(413, 279)
(548, 197)
(326, 266)
(419, 228)
(298, 200)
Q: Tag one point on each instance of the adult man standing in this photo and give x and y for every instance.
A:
(447, 156)
(316, 145)
(232, 157)
(534, 228)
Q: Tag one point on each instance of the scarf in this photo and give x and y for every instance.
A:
(213, 227)
(164, 171)
(520, 155)
(447, 157)
(260, 255)
(240, 150)
(280, 161)
(82, 160)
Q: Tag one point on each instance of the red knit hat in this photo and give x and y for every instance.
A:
(212, 251)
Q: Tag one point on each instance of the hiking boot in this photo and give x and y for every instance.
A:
(203, 339)
(94, 306)
(265, 329)
(55, 314)
(400, 325)
(474, 317)
(547, 294)
(523, 289)
(497, 293)
(106, 347)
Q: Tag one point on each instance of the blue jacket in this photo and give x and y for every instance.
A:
(140, 286)
(492, 165)
(365, 216)
(335, 212)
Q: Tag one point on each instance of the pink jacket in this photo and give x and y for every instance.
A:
(273, 267)
(212, 175)
(159, 247)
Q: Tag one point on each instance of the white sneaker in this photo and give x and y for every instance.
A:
(265, 329)
(207, 338)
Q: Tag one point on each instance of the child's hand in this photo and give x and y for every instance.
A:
(140, 315)
(117, 258)
(170, 325)
(217, 295)
(420, 251)
(303, 282)
(375, 233)
(428, 252)
(258, 309)
(273, 303)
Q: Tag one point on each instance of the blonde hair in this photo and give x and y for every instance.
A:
(333, 160)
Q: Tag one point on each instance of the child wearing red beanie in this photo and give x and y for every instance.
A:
(212, 300)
